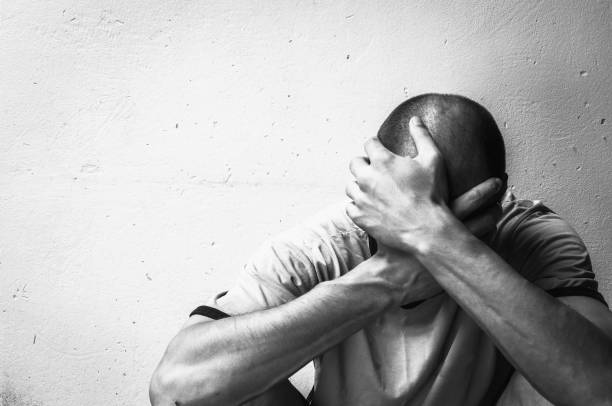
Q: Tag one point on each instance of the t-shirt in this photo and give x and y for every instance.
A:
(429, 354)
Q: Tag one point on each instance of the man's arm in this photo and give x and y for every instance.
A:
(245, 357)
(232, 360)
(566, 356)
(282, 393)
(519, 391)
(563, 354)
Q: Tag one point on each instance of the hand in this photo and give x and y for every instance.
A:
(400, 200)
(480, 211)
(405, 271)
(479, 207)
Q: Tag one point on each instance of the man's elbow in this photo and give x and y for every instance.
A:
(178, 380)
(163, 387)
(173, 384)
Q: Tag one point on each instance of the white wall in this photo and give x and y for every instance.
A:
(147, 147)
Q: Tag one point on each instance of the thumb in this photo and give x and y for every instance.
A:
(425, 145)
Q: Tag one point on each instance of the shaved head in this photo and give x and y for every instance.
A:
(465, 133)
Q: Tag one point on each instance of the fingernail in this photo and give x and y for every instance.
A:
(498, 184)
(416, 120)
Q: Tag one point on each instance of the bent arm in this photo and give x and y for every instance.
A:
(232, 360)
(283, 393)
(399, 200)
(562, 353)
(519, 391)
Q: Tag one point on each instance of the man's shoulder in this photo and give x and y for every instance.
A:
(327, 235)
(327, 224)
(515, 212)
(545, 249)
(524, 225)
(528, 228)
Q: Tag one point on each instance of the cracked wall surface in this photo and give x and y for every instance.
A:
(148, 147)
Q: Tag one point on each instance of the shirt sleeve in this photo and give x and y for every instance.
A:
(549, 252)
(322, 248)
(277, 273)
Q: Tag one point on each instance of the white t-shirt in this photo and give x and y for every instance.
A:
(430, 354)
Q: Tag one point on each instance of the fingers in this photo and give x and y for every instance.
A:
(427, 150)
(359, 166)
(353, 212)
(485, 222)
(353, 192)
(375, 150)
(476, 198)
(426, 147)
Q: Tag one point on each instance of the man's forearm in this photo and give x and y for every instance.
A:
(232, 360)
(399, 201)
(564, 356)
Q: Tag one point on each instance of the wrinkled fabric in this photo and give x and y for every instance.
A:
(432, 354)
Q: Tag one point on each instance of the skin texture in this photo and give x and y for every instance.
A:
(410, 203)
(230, 361)
(469, 142)
(467, 135)
(562, 348)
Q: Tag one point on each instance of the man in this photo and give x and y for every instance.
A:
(421, 319)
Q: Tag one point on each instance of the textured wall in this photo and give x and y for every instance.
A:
(147, 147)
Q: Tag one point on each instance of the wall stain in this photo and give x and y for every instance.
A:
(89, 168)
(10, 397)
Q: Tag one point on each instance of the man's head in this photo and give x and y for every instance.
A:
(465, 133)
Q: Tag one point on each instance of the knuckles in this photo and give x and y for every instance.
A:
(354, 164)
(365, 182)
(355, 197)
(385, 159)
(433, 159)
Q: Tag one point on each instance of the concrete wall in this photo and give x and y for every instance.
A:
(147, 147)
